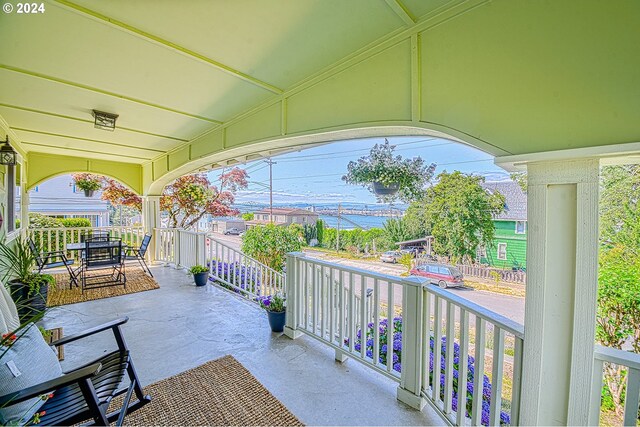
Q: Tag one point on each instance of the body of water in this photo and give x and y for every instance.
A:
(349, 222)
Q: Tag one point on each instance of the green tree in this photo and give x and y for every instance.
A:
(269, 244)
(619, 207)
(395, 230)
(618, 311)
(248, 216)
(416, 221)
(460, 213)
(320, 231)
(521, 179)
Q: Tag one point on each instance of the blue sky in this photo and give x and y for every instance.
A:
(314, 175)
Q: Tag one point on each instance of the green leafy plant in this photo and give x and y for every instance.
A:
(406, 260)
(197, 269)
(269, 244)
(382, 166)
(87, 181)
(248, 216)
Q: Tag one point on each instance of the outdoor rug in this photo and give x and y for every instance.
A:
(137, 281)
(219, 393)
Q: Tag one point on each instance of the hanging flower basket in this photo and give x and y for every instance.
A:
(385, 189)
(389, 176)
(88, 183)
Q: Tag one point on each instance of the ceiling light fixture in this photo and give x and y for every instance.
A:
(7, 154)
(105, 121)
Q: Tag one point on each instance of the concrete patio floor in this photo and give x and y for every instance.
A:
(179, 327)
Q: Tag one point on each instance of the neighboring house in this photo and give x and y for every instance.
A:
(509, 247)
(59, 198)
(220, 225)
(284, 216)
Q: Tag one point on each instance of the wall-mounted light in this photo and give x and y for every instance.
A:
(7, 154)
(105, 121)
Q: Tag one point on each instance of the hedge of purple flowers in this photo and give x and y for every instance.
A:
(247, 279)
(391, 348)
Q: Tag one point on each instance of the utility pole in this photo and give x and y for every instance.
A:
(270, 163)
(338, 229)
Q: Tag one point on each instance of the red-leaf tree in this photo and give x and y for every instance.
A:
(117, 194)
(188, 198)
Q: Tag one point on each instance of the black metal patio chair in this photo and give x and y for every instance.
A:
(138, 254)
(95, 235)
(54, 259)
(103, 255)
(86, 392)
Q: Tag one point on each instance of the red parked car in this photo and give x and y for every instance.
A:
(445, 276)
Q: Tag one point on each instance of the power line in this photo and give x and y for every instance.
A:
(351, 152)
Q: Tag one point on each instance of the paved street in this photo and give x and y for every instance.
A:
(508, 306)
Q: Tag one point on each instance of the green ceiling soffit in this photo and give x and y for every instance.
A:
(506, 77)
(41, 167)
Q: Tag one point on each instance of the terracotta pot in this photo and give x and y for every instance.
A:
(385, 190)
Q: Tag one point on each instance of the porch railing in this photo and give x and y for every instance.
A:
(179, 247)
(463, 359)
(607, 358)
(241, 273)
(57, 239)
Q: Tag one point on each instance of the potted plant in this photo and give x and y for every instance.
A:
(200, 274)
(87, 182)
(389, 176)
(28, 289)
(276, 311)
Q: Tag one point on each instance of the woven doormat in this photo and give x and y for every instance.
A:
(219, 393)
(137, 281)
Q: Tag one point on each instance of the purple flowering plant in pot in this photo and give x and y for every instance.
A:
(276, 311)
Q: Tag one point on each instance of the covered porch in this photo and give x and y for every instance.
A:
(546, 87)
(180, 326)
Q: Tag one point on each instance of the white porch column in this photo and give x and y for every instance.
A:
(294, 298)
(413, 341)
(560, 308)
(151, 220)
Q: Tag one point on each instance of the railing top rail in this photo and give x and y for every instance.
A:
(359, 271)
(497, 319)
(266, 267)
(619, 357)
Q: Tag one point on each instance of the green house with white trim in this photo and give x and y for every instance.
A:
(509, 248)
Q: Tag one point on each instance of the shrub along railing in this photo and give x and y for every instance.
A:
(57, 239)
(241, 273)
(607, 358)
(418, 335)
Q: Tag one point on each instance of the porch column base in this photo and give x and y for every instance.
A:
(341, 356)
(292, 333)
(410, 399)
